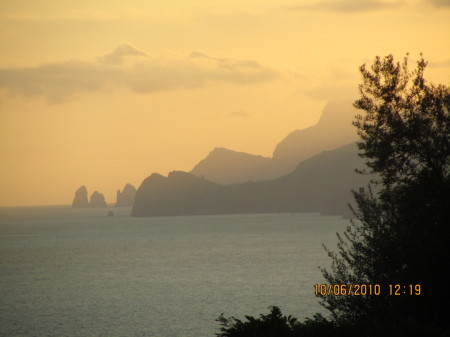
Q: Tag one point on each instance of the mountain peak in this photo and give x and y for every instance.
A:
(221, 149)
(334, 129)
(126, 197)
(226, 166)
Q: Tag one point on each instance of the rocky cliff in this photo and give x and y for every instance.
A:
(126, 197)
(321, 184)
(81, 198)
(333, 130)
(225, 166)
(97, 200)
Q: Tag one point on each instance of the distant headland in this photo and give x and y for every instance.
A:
(312, 170)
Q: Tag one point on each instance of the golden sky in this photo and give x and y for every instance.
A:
(101, 93)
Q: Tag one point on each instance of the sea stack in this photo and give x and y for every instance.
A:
(81, 198)
(97, 200)
(126, 197)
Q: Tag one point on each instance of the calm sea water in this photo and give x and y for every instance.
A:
(66, 272)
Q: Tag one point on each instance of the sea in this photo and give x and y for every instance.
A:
(78, 272)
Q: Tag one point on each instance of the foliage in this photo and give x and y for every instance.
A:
(275, 324)
(401, 231)
(405, 128)
(401, 234)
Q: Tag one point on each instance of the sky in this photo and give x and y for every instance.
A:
(104, 93)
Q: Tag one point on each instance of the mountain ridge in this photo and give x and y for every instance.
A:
(321, 184)
(333, 129)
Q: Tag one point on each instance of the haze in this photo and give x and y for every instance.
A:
(102, 94)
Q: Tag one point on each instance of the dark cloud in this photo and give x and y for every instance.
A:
(440, 3)
(128, 67)
(56, 81)
(117, 56)
(440, 63)
(350, 6)
(327, 92)
(239, 113)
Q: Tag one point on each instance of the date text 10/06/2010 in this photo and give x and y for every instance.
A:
(366, 289)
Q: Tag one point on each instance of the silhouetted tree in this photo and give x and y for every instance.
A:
(275, 324)
(401, 232)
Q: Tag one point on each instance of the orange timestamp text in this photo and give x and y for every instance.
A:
(366, 289)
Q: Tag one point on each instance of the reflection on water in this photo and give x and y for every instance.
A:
(66, 272)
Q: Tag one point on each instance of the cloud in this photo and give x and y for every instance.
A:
(440, 3)
(327, 91)
(440, 64)
(239, 113)
(350, 6)
(117, 56)
(56, 81)
(129, 67)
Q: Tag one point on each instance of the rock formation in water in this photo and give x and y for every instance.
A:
(320, 184)
(97, 200)
(81, 198)
(126, 197)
